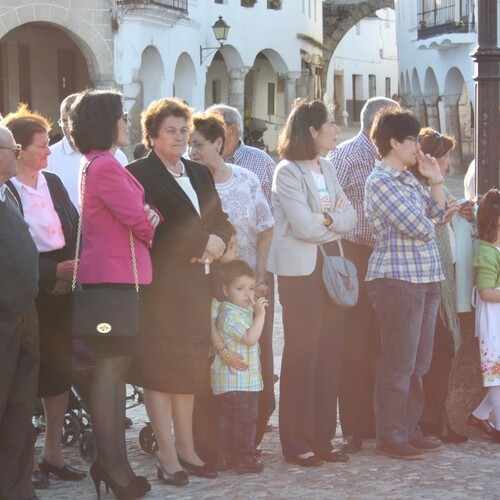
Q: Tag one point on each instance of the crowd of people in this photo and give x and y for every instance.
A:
(199, 226)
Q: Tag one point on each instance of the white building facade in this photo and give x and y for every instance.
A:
(151, 49)
(435, 39)
(364, 65)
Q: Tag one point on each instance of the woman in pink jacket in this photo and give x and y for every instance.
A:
(112, 205)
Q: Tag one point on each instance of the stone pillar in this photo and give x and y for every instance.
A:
(432, 110)
(292, 82)
(302, 89)
(237, 88)
(452, 124)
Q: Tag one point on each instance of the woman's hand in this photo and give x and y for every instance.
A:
(64, 270)
(215, 247)
(261, 290)
(61, 288)
(452, 210)
(153, 217)
(235, 362)
(428, 165)
(340, 205)
(467, 211)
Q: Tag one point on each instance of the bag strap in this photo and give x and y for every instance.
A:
(341, 248)
(79, 235)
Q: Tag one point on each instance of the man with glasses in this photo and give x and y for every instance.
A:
(261, 164)
(65, 158)
(19, 356)
(354, 161)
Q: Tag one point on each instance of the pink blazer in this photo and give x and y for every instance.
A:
(113, 204)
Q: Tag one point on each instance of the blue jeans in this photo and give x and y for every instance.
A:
(406, 315)
(237, 424)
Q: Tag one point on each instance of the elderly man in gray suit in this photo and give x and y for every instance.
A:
(18, 336)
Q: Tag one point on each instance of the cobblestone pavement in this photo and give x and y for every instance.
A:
(468, 471)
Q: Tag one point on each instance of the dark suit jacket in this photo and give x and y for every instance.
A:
(183, 232)
(68, 215)
(175, 326)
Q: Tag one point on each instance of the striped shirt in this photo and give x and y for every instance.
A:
(354, 160)
(258, 162)
(402, 216)
(233, 322)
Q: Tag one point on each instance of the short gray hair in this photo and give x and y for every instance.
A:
(231, 115)
(68, 101)
(372, 107)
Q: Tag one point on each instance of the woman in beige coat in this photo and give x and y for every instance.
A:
(310, 209)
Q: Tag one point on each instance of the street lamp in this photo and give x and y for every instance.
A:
(221, 31)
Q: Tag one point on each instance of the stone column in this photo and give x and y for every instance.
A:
(291, 83)
(452, 122)
(432, 110)
(237, 88)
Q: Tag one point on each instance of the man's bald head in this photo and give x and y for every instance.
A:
(8, 159)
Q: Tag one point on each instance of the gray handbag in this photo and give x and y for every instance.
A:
(340, 278)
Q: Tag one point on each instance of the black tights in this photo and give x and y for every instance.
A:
(107, 411)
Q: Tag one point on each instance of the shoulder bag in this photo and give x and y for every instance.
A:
(103, 311)
(340, 278)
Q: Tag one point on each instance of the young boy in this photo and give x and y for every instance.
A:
(239, 321)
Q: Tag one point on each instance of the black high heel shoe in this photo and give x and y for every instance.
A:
(178, 478)
(204, 470)
(134, 489)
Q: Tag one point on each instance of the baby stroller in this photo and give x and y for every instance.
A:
(254, 132)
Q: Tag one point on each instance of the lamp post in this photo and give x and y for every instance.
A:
(221, 31)
(487, 56)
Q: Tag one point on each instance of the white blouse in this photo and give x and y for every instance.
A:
(40, 215)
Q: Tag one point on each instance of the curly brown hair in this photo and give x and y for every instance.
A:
(157, 111)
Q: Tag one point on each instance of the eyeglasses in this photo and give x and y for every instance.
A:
(17, 149)
(125, 117)
(197, 145)
(412, 138)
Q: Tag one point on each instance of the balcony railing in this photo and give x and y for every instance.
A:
(180, 5)
(453, 17)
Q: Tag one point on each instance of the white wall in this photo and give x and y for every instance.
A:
(369, 48)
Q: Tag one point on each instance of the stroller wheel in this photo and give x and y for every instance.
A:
(70, 430)
(88, 449)
(147, 440)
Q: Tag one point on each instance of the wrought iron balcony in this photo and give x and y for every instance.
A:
(449, 17)
(178, 5)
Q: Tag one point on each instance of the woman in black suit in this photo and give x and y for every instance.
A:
(175, 332)
(52, 220)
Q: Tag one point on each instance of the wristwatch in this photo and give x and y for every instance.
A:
(327, 220)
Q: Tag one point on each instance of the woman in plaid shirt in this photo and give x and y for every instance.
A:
(403, 278)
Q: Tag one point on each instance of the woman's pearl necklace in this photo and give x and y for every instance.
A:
(175, 174)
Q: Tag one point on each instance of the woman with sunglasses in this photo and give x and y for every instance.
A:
(52, 220)
(434, 420)
(112, 207)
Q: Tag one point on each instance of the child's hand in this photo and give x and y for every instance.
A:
(259, 306)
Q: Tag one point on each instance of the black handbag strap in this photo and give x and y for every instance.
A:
(79, 235)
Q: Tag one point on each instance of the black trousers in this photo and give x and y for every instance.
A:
(360, 354)
(310, 371)
(436, 380)
(19, 360)
(267, 399)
